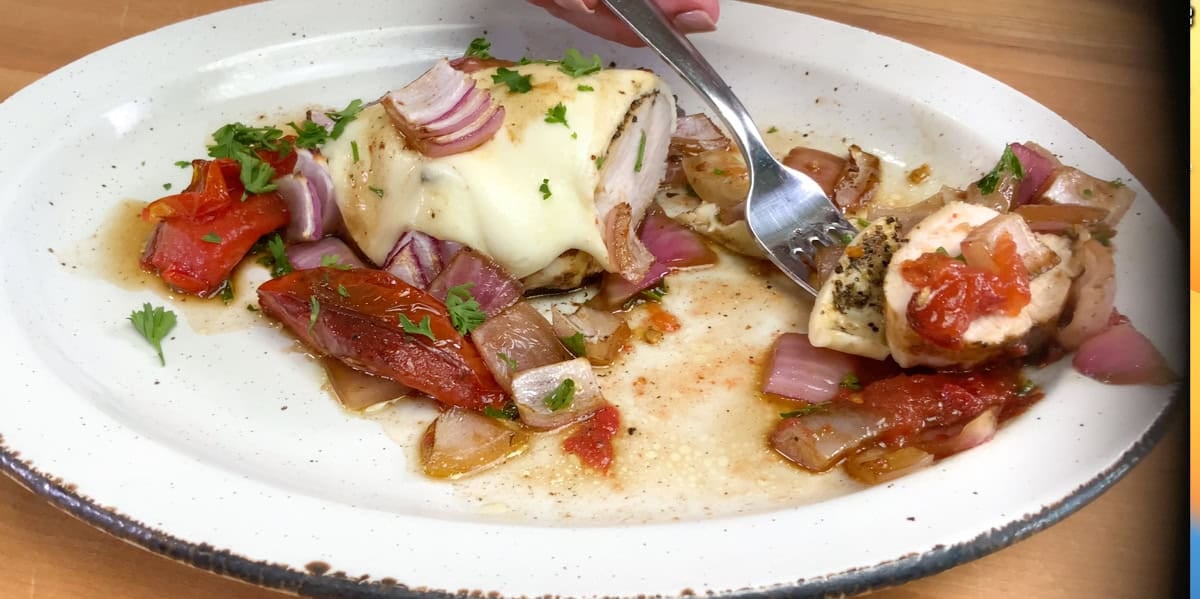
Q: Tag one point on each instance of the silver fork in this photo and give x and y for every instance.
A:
(788, 213)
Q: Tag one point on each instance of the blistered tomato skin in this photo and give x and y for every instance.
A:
(952, 294)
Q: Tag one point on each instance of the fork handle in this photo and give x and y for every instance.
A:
(649, 23)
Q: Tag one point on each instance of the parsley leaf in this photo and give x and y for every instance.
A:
(511, 363)
(585, 88)
(575, 65)
(314, 311)
(342, 291)
(211, 237)
(811, 408)
(561, 397)
(850, 381)
(599, 162)
(182, 163)
(941, 250)
(719, 172)
(333, 261)
(280, 265)
(508, 412)
(464, 310)
(773, 129)
(309, 134)
(424, 328)
(167, 186)
(516, 82)
(1008, 162)
(479, 48)
(656, 293)
(576, 344)
(226, 292)
(557, 114)
(242, 143)
(1118, 182)
(637, 166)
(545, 189)
(863, 223)
(354, 151)
(344, 117)
(154, 323)
(375, 190)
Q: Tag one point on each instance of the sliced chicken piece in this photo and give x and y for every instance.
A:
(847, 315)
(629, 176)
(988, 337)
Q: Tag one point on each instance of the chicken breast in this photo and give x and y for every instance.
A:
(988, 337)
(847, 315)
(539, 189)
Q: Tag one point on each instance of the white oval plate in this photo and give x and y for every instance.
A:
(197, 461)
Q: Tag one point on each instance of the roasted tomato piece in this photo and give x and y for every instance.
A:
(359, 316)
(204, 232)
(592, 441)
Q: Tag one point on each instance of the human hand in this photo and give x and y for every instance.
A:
(688, 16)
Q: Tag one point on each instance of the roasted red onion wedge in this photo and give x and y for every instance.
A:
(720, 177)
(1060, 218)
(980, 244)
(948, 441)
(359, 391)
(330, 251)
(858, 181)
(304, 208)
(442, 112)
(461, 442)
(879, 465)
(1123, 356)
(673, 246)
(819, 440)
(557, 394)
(312, 166)
(602, 333)
(800, 371)
(491, 286)
(1037, 163)
(823, 167)
(696, 133)
(516, 339)
(1090, 301)
(417, 258)
(1069, 185)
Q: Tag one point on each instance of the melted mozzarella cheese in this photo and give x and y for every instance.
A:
(491, 198)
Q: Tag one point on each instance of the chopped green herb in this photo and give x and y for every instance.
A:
(524, 61)
(280, 265)
(863, 223)
(251, 308)
(342, 291)
(961, 258)
(655, 293)
(561, 397)
(242, 143)
(1117, 182)
(585, 88)
(599, 162)
(574, 135)
(211, 237)
(333, 261)
(464, 310)
(773, 129)
(424, 328)
(575, 65)
(941, 250)
(344, 117)
(226, 292)
(508, 412)
(557, 114)
(576, 344)
(850, 381)
(154, 323)
(479, 48)
(545, 189)
(719, 172)
(1027, 387)
(637, 166)
(812, 408)
(1008, 163)
(691, 191)
(375, 190)
(516, 82)
(1087, 193)
(846, 237)
(314, 311)
(511, 363)
(354, 151)
(182, 163)
(309, 134)
(167, 186)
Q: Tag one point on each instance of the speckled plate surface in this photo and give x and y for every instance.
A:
(233, 459)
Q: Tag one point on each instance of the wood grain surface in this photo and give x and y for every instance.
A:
(1098, 63)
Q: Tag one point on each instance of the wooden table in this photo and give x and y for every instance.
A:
(1095, 62)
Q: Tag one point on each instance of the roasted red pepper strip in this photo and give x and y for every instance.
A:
(358, 322)
(207, 230)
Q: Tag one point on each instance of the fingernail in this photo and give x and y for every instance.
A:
(694, 21)
(574, 6)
